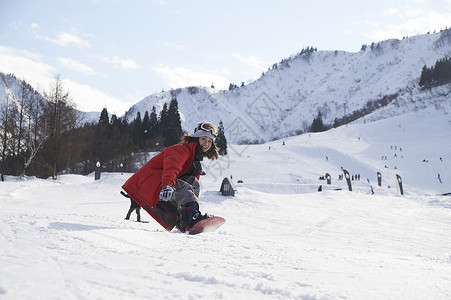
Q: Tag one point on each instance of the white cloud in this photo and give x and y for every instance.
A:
(76, 66)
(123, 63)
(67, 39)
(171, 45)
(414, 22)
(254, 65)
(390, 12)
(28, 66)
(414, 12)
(251, 61)
(182, 77)
(91, 99)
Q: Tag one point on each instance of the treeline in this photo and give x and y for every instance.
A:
(115, 141)
(35, 129)
(437, 75)
(43, 135)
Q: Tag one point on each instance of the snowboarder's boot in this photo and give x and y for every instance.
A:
(189, 215)
(138, 214)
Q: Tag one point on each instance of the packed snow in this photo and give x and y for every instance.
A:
(67, 239)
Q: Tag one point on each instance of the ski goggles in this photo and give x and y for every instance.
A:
(208, 127)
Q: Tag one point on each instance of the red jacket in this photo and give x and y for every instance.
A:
(145, 185)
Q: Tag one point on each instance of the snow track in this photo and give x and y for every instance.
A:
(326, 245)
(67, 239)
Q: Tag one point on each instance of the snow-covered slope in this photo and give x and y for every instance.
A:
(286, 98)
(67, 239)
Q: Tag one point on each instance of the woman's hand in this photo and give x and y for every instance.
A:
(166, 194)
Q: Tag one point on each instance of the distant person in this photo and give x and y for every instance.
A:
(134, 206)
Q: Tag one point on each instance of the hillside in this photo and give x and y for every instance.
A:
(414, 145)
(286, 98)
(282, 239)
(12, 89)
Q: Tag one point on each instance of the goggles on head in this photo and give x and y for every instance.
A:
(208, 127)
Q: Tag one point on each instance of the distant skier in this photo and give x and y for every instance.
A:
(172, 177)
(439, 178)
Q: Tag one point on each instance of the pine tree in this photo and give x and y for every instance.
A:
(146, 126)
(114, 122)
(437, 75)
(317, 124)
(442, 71)
(426, 77)
(163, 123)
(137, 129)
(221, 140)
(102, 143)
(104, 118)
(153, 123)
(174, 129)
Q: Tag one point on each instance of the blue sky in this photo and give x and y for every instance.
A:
(113, 53)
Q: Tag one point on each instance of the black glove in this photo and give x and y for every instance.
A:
(166, 194)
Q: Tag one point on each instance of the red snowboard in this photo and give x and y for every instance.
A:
(207, 225)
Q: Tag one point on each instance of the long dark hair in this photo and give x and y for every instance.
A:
(212, 153)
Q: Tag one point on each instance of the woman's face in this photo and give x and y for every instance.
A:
(205, 143)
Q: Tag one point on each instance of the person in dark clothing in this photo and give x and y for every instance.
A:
(134, 206)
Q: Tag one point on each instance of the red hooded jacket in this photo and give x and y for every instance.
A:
(163, 169)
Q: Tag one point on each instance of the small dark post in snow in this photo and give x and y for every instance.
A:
(348, 179)
(379, 179)
(97, 172)
(328, 178)
(399, 179)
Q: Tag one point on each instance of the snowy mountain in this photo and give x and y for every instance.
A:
(286, 98)
(284, 101)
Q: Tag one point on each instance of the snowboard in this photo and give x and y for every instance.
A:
(207, 225)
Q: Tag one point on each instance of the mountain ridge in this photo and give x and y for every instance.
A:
(377, 82)
(286, 98)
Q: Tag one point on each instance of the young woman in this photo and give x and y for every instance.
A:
(167, 186)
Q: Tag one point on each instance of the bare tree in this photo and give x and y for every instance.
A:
(36, 135)
(59, 118)
(8, 114)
